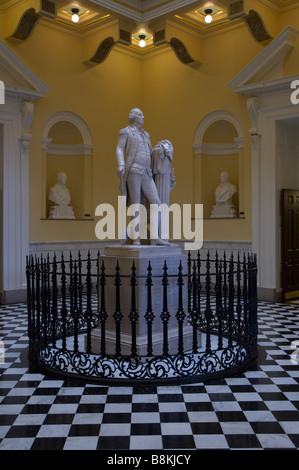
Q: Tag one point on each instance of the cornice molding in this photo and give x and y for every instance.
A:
(69, 149)
(21, 94)
(270, 87)
(143, 10)
(167, 7)
(224, 149)
(133, 12)
(11, 4)
(29, 85)
(267, 66)
(280, 8)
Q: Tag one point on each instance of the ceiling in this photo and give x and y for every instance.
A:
(146, 10)
(95, 13)
(189, 11)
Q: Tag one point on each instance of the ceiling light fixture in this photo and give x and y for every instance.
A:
(208, 17)
(142, 42)
(75, 16)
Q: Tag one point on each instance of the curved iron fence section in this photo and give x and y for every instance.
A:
(66, 300)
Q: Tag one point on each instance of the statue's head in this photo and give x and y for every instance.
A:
(135, 114)
(61, 178)
(224, 177)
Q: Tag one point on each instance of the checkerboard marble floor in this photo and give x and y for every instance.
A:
(256, 410)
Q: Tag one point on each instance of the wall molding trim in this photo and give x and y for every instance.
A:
(216, 149)
(219, 115)
(73, 119)
(69, 149)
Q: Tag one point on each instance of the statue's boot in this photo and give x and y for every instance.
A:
(160, 242)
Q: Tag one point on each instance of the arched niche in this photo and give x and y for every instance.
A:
(67, 146)
(217, 144)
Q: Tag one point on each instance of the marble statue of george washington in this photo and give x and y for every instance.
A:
(133, 155)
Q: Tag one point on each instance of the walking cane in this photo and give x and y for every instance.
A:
(123, 211)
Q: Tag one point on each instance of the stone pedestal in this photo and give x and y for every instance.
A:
(223, 210)
(61, 212)
(141, 255)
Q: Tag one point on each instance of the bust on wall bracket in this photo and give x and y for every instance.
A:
(223, 194)
(60, 195)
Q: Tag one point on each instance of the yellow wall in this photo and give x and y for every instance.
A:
(291, 18)
(174, 98)
(100, 95)
(64, 132)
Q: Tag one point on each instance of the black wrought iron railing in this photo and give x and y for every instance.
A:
(216, 303)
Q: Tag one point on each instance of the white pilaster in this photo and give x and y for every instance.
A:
(16, 117)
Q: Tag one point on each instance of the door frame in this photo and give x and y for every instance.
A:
(266, 237)
(292, 294)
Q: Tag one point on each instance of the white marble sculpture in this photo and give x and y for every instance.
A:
(133, 154)
(223, 194)
(162, 158)
(60, 195)
(146, 179)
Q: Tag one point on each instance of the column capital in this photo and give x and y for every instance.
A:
(27, 111)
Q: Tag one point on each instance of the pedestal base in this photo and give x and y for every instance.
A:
(61, 212)
(225, 210)
(142, 342)
(142, 255)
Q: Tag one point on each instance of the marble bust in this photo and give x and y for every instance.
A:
(223, 194)
(60, 195)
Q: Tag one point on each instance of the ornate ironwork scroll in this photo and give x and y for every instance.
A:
(66, 300)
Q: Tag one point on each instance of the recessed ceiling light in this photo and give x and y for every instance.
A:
(142, 42)
(75, 16)
(76, 12)
(143, 38)
(208, 15)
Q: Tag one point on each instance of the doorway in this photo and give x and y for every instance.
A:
(287, 132)
(290, 243)
(1, 210)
